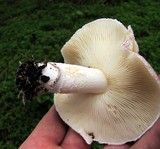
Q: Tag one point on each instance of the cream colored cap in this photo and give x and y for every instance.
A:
(130, 105)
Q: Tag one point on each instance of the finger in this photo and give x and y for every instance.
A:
(73, 140)
(50, 131)
(151, 139)
(125, 146)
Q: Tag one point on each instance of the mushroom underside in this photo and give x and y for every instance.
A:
(131, 103)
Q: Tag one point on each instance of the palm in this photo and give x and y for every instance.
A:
(52, 133)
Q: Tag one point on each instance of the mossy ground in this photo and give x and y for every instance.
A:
(40, 28)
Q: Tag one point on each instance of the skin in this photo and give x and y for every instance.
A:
(53, 133)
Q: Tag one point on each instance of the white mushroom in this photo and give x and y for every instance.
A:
(107, 92)
(131, 103)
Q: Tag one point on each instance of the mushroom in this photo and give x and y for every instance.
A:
(107, 92)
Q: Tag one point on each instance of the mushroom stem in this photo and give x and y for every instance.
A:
(67, 78)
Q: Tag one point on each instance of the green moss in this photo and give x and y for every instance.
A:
(40, 28)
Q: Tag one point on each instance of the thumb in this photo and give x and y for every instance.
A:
(125, 146)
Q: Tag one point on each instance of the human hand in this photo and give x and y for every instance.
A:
(53, 133)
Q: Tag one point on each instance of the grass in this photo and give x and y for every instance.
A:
(40, 28)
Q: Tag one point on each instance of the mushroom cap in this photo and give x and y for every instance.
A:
(131, 103)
